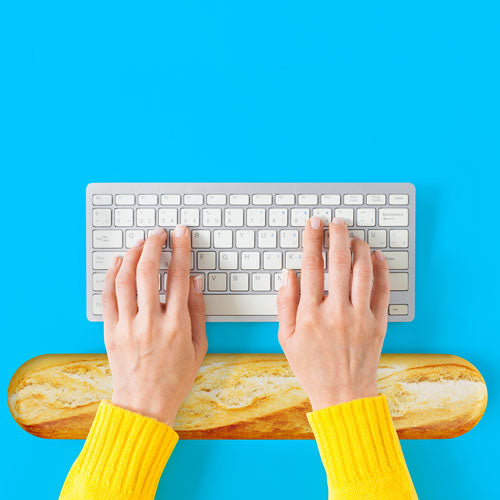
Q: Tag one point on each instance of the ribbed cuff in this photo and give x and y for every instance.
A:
(126, 452)
(361, 451)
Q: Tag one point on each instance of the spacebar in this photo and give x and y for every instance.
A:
(241, 305)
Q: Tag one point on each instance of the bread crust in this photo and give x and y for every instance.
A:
(249, 396)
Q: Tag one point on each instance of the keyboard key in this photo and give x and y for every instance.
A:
(285, 199)
(272, 260)
(375, 199)
(98, 281)
(97, 304)
(200, 238)
(262, 199)
(216, 199)
(299, 217)
(132, 235)
(330, 199)
(256, 217)
(250, 260)
(102, 199)
(167, 217)
(325, 214)
(377, 238)
(165, 259)
(239, 199)
(202, 280)
(233, 217)
(353, 199)
(206, 260)
(357, 233)
(393, 216)
(228, 260)
(365, 216)
(278, 279)
(398, 309)
(293, 260)
(396, 260)
(289, 238)
(223, 238)
(170, 199)
(104, 260)
(239, 282)
(398, 199)
(124, 217)
(347, 214)
(101, 217)
(398, 238)
(261, 282)
(151, 231)
(308, 199)
(267, 238)
(193, 199)
(245, 238)
(148, 199)
(278, 217)
(107, 239)
(398, 281)
(146, 217)
(217, 282)
(212, 217)
(241, 305)
(190, 217)
(125, 199)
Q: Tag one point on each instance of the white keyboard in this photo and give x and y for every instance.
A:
(244, 234)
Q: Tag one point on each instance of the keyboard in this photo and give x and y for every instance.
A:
(244, 234)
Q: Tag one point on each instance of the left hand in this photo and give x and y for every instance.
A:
(154, 350)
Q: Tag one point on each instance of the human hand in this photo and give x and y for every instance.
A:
(333, 343)
(155, 350)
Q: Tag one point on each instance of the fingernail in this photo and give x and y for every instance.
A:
(380, 256)
(198, 284)
(315, 222)
(158, 230)
(338, 220)
(137, 243)
(179, 231)
(117, 260)
(284, 277)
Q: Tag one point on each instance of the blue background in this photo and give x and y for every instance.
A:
(251, 91)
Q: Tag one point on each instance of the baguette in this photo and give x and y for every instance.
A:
(249, 396)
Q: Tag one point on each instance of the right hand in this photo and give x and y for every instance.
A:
(333, 343)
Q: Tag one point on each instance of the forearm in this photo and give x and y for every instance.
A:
(123, 457)
(361, 452)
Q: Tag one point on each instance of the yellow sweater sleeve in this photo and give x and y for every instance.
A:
(123, 457)
(361, 452)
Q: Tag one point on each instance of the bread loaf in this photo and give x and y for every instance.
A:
(249, 396)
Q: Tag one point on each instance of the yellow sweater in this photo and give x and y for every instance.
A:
(125, 454)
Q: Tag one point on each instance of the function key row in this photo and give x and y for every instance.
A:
(244, 199)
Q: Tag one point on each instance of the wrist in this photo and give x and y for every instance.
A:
(162, 413)
(324, 400)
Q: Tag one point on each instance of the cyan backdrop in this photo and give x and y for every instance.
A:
(251, 91)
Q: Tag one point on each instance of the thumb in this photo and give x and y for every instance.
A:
(196, 307)
(288, 302)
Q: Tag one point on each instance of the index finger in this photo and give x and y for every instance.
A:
(148, 297)
(312, 269)
(178, 269)
(339, 265)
